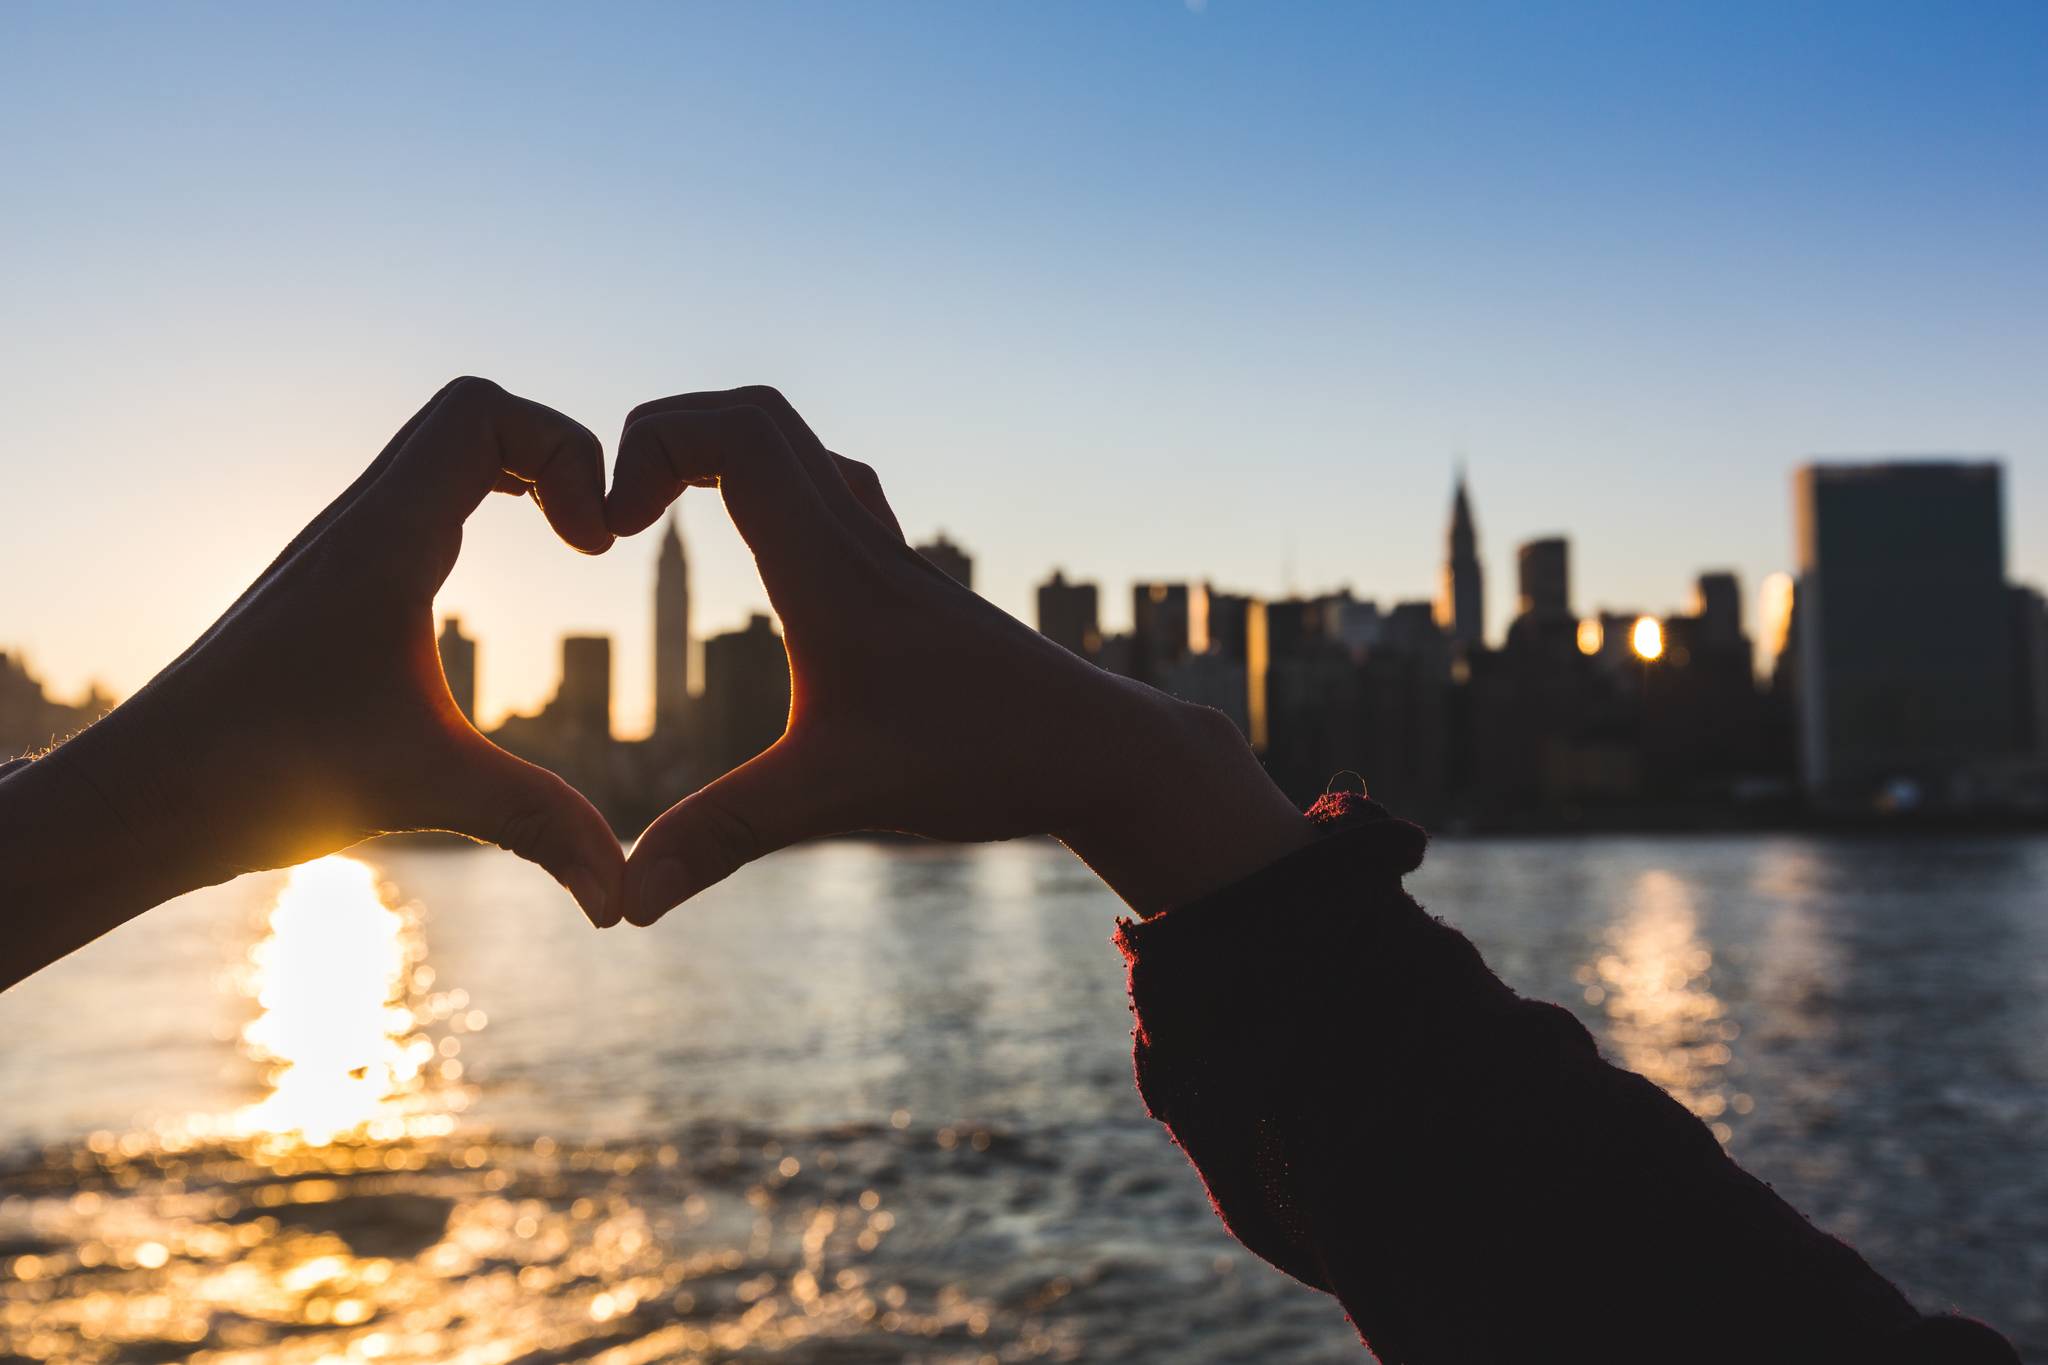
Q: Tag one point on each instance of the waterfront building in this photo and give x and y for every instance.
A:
(1905, 645)
(746, 693)
(1068, 615)
(955, 562)
(458, 666)
(671, 637)
(1461, 600)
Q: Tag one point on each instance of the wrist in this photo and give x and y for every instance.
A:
(1185, 809)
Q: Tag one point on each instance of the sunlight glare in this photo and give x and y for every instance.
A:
(1647, 639)
(331, 979)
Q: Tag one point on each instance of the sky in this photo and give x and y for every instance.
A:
(1135, 288)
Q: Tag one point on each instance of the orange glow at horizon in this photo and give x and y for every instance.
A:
(1592, 636)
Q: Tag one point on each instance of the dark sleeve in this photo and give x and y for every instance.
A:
(1376, 1114)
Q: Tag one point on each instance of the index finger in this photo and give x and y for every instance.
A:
(477, 437)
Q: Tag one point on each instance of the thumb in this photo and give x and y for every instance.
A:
(530, 811)
(764, 804)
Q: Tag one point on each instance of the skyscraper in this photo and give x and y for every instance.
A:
(1717, 602)
(746, 693)
(956, 562)
(1905, 642)
(1068, 615)
(671, 636)
(1543, 567)
(582, 708)
(2030, 662)
(1162, 628)
(458, 666)
(1461, 601)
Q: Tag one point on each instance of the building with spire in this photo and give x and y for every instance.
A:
(671, 636)
(1461, 601)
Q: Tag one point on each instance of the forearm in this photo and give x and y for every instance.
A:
(1184, 809)
(1377, 1114)
(86, 844)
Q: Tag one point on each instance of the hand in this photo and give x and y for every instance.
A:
(314, 713)
(915, 705)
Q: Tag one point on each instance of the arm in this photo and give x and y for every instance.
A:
(313, 714)
(1372, 1109)
(1378, 1115)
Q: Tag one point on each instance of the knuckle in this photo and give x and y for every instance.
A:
(470, 388)
(763, 396)
(653, 407)
(734, 840)
(860, 476)
(522, 831)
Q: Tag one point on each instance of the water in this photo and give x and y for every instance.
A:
(873, 1103)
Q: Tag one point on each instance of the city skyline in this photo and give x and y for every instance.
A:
(1152, 293)
(1545, 563)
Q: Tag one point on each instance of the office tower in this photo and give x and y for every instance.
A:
(2030, 674)
(458, 666)
(1357, 626)
(1296, 626)
(1067, 615)
(1717, 602)
(746, 693)
(1461, 602)
(1543, 569)
(956, 562)
(582, 708)
(1905, 646)
(1228, 618)
(671, 636)
(1162, 627)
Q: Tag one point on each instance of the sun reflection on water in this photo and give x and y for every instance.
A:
(344, 1216)
(1655, 983)
(340, 981)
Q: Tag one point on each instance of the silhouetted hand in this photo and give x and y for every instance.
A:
(314, 712)
(917, 706)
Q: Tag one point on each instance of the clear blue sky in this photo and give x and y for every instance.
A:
(1135, 288)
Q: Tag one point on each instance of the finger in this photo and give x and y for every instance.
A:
(478, 438)
(758, 807)
(772, 500)
(866, 487)
(490, 795)
(817, 463)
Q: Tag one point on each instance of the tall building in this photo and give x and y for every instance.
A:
(956, 562)
(1229, 622)
(582, 708)
(1905, 642)
(2030, 677)
(458, 666)
(1162, 628)
(1068, 615)
(1461, 601)
(746, 693)
(1544, 575)
(671, 636)
(1717, 602)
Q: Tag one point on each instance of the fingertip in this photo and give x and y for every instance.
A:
(643, 483)
(654, 888)
(588, 888)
